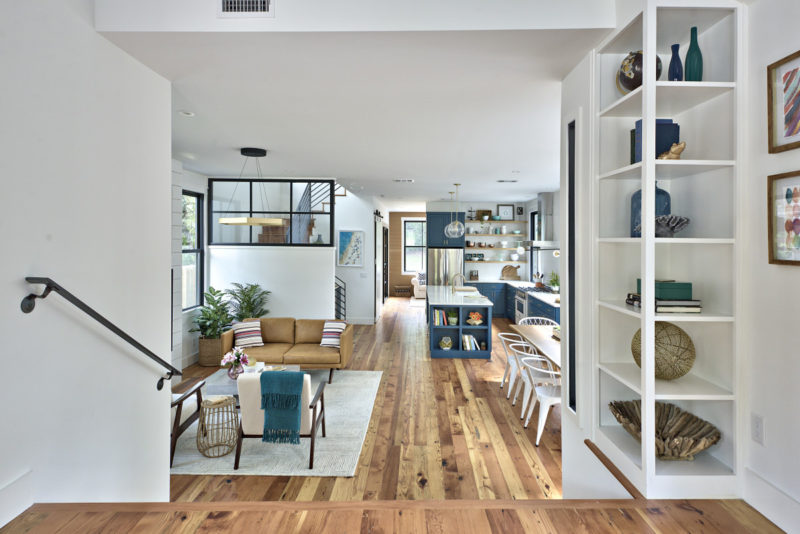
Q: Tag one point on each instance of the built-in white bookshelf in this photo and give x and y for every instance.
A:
(703, 187)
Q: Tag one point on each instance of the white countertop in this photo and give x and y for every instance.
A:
(547, 298)
(444, 296)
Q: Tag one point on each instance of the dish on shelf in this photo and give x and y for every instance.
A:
(668, 225)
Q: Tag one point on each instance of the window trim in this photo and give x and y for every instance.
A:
(200, 251)
(250, 213)
(403, 246)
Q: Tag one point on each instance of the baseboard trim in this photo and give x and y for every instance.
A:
(771, 501)
(191, 359)
(16, 497)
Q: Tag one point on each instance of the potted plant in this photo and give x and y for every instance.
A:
(247, 301)
(554, 281)
(211, 321)
(452, 317)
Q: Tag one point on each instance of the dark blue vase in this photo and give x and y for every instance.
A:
(694, 60)
(675, 72)
(663, 207)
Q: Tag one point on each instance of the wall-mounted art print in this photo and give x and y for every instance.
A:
(350, 248)
(506, 212)
(783, 103)
(783, 210)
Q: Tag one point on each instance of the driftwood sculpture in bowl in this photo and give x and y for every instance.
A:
(679, 434)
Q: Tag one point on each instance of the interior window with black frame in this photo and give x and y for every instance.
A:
(192, 250)
(414, 243)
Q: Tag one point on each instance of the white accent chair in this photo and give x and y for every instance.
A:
(185, 410)
(420, 285)
(251, 424)
(512, 364)
(520, 351)
(547, 389)
(537, 321)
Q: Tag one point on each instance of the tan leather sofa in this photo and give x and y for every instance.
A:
(296, 342)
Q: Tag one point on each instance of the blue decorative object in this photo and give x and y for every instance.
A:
(667, 132)
(663, 207)
(694, 60)
(675, 72)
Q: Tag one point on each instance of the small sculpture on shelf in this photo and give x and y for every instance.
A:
(674, 349)
(675, 71)
(674, 152)
(629, 76)
(446, 343)
(475, 318)
(694, 59)
(668, 225)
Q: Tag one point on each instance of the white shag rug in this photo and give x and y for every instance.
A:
(348, 406)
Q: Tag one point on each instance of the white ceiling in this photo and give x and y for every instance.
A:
(366, 108)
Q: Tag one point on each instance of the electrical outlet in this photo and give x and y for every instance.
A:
(757, 428)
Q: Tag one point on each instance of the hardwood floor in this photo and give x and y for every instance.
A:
(440, 429)
(445, 453)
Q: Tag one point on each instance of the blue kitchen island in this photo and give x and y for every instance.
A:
(468, 341)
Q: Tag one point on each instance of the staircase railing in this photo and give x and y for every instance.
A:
(340, 299)
(29, 303)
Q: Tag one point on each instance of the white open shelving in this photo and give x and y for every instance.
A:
(703, 187)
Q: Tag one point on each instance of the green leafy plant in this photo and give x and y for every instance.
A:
(248, 301)
(213, 318)
(554, 280)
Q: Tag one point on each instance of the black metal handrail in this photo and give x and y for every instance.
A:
(29, 303)
(340, 298)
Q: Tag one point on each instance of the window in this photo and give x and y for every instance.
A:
(192, 250)
(414, 242)
(262, 212)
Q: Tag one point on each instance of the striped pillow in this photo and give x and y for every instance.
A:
(332, 333)
(247, 334)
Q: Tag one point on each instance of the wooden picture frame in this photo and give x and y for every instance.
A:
(783, 212)
(783, 122)
(506, 212)
(479, 214)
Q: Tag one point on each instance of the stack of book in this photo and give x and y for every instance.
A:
(440, 318)
(469, 342)
(667, 305)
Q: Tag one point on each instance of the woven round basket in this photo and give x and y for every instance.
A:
(674, 351)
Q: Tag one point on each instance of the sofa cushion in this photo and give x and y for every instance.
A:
(311, 353)
(332, 333)
(269, 353)
(277, 329)
(308, 330)
(247, 334)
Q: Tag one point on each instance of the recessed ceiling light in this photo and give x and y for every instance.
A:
(404, 180)
(186, 113)
(507, 181)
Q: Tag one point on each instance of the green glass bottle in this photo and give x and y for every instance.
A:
(693, 66)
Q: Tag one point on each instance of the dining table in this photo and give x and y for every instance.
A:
(542, 338)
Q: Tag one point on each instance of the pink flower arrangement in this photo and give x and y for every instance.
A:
(235, 358)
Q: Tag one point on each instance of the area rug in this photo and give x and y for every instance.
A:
(348, 403)
(417, 303)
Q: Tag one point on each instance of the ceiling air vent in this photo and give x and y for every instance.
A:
(245, 8)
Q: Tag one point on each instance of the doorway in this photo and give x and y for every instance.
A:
(385, 263)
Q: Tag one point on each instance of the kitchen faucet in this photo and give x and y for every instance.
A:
(453, 281)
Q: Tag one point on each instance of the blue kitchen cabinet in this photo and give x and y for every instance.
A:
(511, 305)
(436, 222)
(538, 308)
(494, 292)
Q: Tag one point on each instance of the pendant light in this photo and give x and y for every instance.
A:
(248, 153)
(456, 228)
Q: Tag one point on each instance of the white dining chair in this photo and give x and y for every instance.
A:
(520, 351)
(547, 389)
(512, 365)
(537, 321)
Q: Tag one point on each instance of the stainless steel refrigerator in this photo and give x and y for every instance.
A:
(443, 264)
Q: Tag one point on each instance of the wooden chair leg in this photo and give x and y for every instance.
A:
(322, 413)
(174, 437)
(330, 376)
(238, 447)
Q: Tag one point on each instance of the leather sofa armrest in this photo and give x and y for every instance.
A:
(346, 345)
(227, 341)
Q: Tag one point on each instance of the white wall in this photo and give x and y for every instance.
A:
(86, 173)
(583, 476)
(772, 475)
(358, 15)
(356, 213)
(300, 278)
(185, 345)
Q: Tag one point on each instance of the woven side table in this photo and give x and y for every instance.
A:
(217, 429)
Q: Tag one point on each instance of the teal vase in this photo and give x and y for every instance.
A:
(693, 66)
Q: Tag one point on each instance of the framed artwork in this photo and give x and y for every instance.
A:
(783, 210)
(783, 103)
(350, 248)
(506, 212)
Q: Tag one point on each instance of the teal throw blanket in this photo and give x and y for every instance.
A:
(281, 392)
